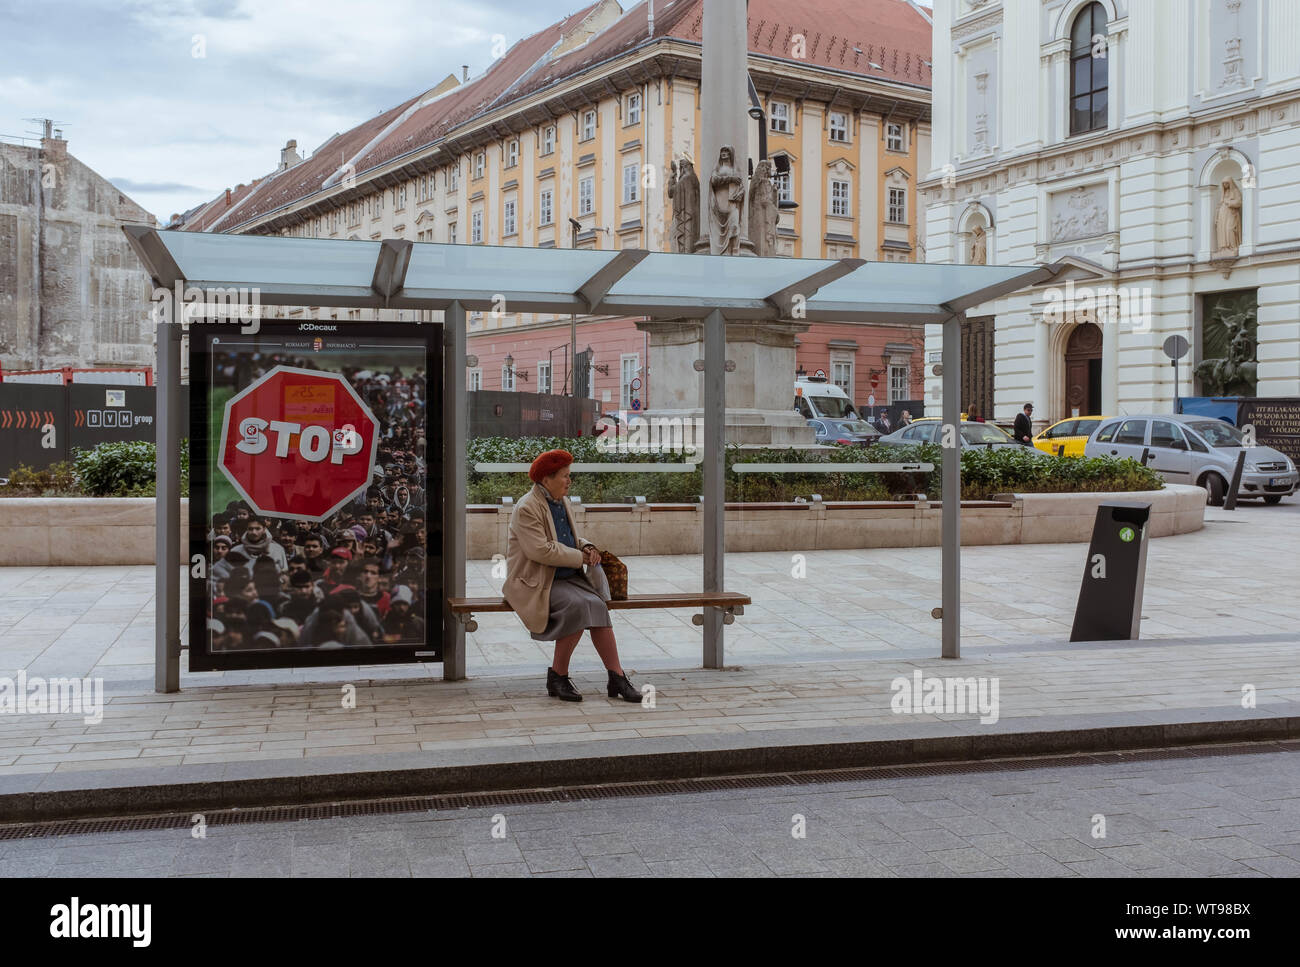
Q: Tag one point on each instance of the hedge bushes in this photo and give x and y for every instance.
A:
(984, 473)
(121, 469)
(128, 470)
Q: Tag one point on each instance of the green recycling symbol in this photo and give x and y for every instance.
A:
(1126, 534)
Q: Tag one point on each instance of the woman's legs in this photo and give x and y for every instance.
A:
(564, 649)
(606, 647)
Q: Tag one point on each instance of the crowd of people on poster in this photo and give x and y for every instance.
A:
(353, 580)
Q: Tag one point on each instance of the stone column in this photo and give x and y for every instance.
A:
(724, 96)
(760, 390)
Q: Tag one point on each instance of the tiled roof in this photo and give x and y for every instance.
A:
(282, 187)
(889, 32)
(844, 35)
(464, 103)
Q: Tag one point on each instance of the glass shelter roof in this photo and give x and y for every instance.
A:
(400, 274)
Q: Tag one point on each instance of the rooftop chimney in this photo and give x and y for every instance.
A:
(289, 155)
(650, 15)
(464, 76)
(227, 197)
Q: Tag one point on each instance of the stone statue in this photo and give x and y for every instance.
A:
(726, 201)
(1227, 220)
(684, 190)
(978, 246)
(1235, 374)
(763, 210)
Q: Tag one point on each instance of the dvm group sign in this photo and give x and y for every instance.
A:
(315, 485)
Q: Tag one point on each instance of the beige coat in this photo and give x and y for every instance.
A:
(532, 555)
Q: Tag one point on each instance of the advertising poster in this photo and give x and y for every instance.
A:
(315, 495)
(1276, 423)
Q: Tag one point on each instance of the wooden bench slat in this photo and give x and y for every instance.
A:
(633, 602)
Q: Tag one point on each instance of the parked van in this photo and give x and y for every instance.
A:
(817, 399)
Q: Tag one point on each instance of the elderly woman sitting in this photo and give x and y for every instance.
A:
(546, 586)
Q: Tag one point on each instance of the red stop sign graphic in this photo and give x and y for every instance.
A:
(298, 443)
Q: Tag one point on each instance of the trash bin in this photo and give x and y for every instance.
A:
(1110, 600)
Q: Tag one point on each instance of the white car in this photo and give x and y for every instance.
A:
(1196, 450)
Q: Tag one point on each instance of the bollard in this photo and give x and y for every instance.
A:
(1230, 502)
(1110, 599)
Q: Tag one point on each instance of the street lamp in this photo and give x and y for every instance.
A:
(510, 365)
(591, 361)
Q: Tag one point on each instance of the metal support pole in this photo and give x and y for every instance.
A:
(573, 333)
(715, 486)
(573, 355)
(455, 423)
(167, 513)
(952, 488)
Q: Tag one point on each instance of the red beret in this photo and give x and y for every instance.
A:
(548, 463)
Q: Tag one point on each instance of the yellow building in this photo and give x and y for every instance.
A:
(568, 137)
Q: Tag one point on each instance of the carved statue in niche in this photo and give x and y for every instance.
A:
(726, 201)
(763, 210)
(1234, 374)
(684, 190)
(1227, 220)
(978, 246)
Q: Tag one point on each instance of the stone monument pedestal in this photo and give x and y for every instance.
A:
(760, 390)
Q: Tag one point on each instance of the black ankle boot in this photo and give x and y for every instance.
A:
(561, 687)
(621, 687)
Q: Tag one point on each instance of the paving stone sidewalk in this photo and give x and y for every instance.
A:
(1220, 625)
(1074, 686)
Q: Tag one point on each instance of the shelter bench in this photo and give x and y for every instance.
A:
(731, 602)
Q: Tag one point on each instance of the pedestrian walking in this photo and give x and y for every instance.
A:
(1023, 430)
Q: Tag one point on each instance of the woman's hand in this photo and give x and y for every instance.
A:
(590, 555)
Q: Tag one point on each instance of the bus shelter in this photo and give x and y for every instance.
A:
(456, 279)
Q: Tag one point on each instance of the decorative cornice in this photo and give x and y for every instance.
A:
(1229, 126)
(976, 23)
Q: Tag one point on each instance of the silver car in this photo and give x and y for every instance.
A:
(973, 435)
(1196, 450)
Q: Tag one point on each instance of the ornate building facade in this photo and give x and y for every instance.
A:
(1151, 144)
(569, 139)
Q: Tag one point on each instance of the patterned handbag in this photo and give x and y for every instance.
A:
(616, 574)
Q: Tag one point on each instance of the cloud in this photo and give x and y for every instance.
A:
(131, 96)
(126, 184)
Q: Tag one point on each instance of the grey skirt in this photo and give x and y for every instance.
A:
(574, 607)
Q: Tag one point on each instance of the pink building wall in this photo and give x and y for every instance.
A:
(611, 339)
(815, 352)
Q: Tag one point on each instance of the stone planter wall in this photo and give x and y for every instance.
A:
(1018, 519)
(87, 531)
(81, 531)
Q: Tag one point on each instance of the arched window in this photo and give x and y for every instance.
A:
(1088, 74)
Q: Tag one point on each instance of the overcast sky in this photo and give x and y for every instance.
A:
(172, 129)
